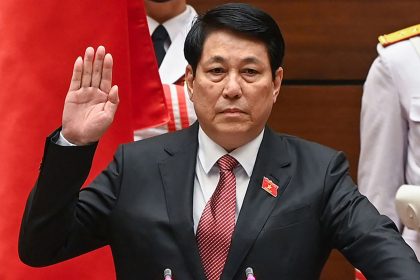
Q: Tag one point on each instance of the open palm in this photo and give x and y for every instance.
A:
(91, 101)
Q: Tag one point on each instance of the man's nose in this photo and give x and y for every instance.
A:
(232, 88)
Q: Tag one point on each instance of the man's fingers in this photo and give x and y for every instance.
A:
(87, 67)
(93, 72)
(97, 66)
(76, 78)
(106, 80)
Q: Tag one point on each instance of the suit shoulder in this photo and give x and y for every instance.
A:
(309, 155)
(155, 141)
(400, 35)
(159, 145)
(307, 147)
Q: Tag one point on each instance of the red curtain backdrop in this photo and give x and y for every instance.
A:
(38, 46)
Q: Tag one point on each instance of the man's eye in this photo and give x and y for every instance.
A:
(250, 71)
(217, 71)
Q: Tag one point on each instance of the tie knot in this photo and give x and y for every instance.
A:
(160, 33)
(227, 163)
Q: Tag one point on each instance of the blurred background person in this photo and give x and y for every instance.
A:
(169, 22)
(390, 125)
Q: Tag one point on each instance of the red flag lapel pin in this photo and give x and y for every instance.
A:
(269, 186)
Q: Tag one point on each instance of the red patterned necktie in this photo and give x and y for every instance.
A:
(215, 229)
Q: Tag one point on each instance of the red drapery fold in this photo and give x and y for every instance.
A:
(39, 43)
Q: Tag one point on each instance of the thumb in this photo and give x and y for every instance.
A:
(113, 99)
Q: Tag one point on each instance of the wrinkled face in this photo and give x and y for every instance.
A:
(233, 89)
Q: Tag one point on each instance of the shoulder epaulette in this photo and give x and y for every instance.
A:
(399, 35)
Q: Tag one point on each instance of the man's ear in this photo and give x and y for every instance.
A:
(189, 80)
(278, 77)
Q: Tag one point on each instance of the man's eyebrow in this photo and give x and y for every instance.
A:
(249, 59)
(252, 59)
(216, 58)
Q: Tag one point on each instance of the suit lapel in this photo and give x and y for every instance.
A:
(272, 162)
(178, 172)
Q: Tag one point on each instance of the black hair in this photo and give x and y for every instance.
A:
(238, 18)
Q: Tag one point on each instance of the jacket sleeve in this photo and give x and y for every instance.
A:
(370, 241)
(60, 220)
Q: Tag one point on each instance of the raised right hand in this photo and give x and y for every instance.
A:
(91, 101)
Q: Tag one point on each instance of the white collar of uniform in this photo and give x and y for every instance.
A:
(209, 152)
(174, 25)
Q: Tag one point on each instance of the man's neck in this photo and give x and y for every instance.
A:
(162, 12)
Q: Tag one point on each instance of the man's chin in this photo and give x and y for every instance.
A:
(236, 131)
(231, 125)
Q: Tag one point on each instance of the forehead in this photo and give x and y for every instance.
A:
(227, 45)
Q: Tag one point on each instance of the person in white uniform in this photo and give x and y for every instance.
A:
(176, 17)
(390, 125)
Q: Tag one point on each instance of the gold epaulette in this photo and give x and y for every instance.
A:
(399, 35)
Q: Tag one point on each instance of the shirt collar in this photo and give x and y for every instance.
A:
(174, 25)
(209, 152)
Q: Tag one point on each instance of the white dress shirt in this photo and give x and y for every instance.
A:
(207, 171)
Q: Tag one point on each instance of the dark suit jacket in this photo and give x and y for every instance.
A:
(141, 205)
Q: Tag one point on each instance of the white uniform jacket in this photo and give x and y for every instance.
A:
(390, 129)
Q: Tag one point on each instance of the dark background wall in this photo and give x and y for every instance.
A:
(329, 48)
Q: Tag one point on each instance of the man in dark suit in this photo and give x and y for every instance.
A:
(209, 201)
